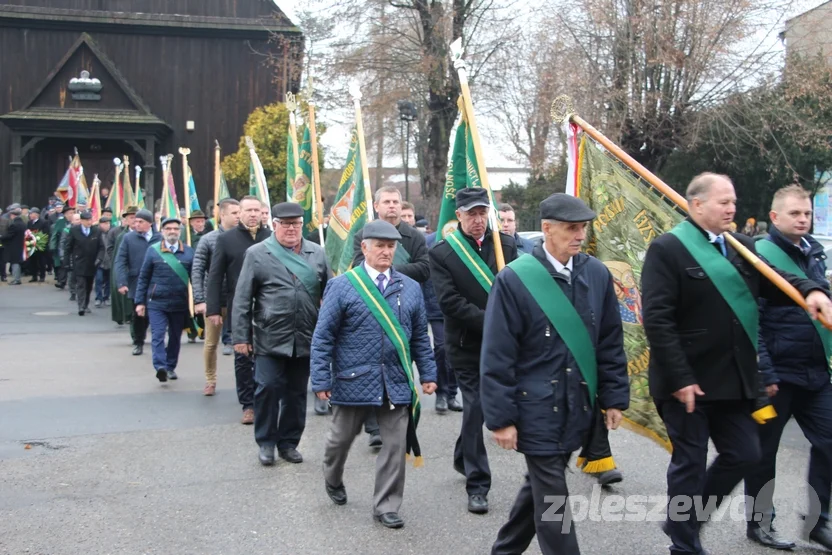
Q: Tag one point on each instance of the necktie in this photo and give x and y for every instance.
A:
(566, 272)
(380, 280)
(479, 243)
(720, 240)
(86, 231)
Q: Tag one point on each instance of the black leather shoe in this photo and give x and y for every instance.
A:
(82, 312)
(609, 477)
(72, 298)
(172, 375)
(454, 405)
(477, 504)
(823, 536)
(137, 349)
(33, 280)
(162, 375)
(290, 455)
(375, 440)
(441, 404)
(338, 495)
(267, 455)
(390, 520)
(768, 538)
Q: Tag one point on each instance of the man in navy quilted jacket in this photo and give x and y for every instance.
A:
(371, 326)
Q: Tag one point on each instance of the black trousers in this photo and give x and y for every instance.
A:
(244, 376)
(734, 433)
(280, 400)
(61, 275)
(138, 327)
(542, 508)
(83, 288)
(469, 451)
(37, 265)
(813, 412)
(446, 385)
(596, 454)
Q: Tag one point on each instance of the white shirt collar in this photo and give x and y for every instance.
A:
(555, 262)
(373, 273)
(172, 247)
(711, 236)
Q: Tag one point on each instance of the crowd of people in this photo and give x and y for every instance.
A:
(536, 349)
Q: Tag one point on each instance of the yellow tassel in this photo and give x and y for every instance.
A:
(764, 414)
(580, 462)
(418, 462)
(601, 465)
(407, 457)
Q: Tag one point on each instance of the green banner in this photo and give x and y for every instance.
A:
(630, 215)
(291, 170)
(303, 188)
(462, 173)
(348, 213)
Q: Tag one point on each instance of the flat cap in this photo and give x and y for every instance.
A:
(34, 210)
(167, 221)
(380, 229)
(132, 211)
(107, 210)
(565, 208)
(143, 214)
(287, 210)
(13, 207)
(86, 215)
(106, 219)
(67, 208)
(421, 223)
(471, 197)
(197, 214)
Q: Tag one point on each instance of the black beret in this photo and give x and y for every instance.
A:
(287, 210)
(471, 197)
(380, 229)
(86, 215)
(565, 208)
(107, 209)
(67, 208)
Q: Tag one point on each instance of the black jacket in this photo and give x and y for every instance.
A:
(462, 299)
(413, 241)
(13, 240)
(86, 251)
(790, 348)
(39, 225)
(227, 262)
(694, 336)
(530, 378)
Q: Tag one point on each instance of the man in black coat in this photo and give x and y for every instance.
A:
(226, 264)
(462, 268)
(37, 262)
(701, 318)
(13, 241)
(85, 248)
(552, 355)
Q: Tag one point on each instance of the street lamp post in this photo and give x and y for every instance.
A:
(407, 115)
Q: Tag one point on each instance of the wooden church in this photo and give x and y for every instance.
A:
(133, 77)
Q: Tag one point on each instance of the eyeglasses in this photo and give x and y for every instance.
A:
(289, 225)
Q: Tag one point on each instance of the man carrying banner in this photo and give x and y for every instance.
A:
(372, 326)
(162, 296)
(701, 320)
(411, 260)
(795, 358)
(275, 311)
(553, 353)
(462, 270)
(121, 308)
(58, 232)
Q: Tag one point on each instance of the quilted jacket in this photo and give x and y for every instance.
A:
(159, 286)
(203, 253)
(352, 356)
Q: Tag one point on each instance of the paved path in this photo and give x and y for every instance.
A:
(120, 464)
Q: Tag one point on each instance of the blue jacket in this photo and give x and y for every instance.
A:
(130, 257)
(434, 313)
(790, 348)
(524, 246)
(159, 287)
(352, 356)
(528, 377)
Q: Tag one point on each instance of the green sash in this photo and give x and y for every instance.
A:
(401, 256)
(170, 259)
(562, 314)
(297, 266)
(381, 311)
(724, 276)
(482, 273)
(777, 257)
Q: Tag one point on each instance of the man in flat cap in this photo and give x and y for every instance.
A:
(84, 252)
(553, 353)
(371, 327)
(462, 269)
(198, 230)
(162, 295)
(122, 307)
(37, 262)
(57, 232)
(275, 310)
(130, 256)
(102, 275)
(13, 241)
(411, 259)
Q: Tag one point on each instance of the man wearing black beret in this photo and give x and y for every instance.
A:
(462, 269)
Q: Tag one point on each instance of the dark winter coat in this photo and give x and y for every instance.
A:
(13, 240)
(226, 264)
(413, 241)
(203, 253)
(431, 302)
(130, 257)
(84, 252)
(530, 379)
(159, 287)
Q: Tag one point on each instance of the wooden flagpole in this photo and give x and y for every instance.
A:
(459, 64)
(355, 92)
(217, 170)
(562, 110)
(313, 135)
(186, 198)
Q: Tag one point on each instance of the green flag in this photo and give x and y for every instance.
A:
(253, 186)
(303, 188)
(349, 211)
(291, 169)
(224, 192)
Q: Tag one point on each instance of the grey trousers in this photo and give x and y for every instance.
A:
(390, 463)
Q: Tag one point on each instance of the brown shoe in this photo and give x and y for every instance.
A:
(248, 416)
(209, 390)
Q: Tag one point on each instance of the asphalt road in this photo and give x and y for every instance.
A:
(121, 464)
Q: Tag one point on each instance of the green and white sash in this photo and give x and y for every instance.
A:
(562, 314)
(173, 263)
(472, 260)
(778, 258)
(725, 277)
(297, 266)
